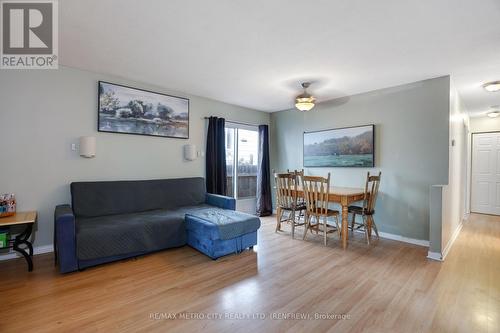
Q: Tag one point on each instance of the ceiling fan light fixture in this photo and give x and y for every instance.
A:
(305, 101)
(492, 86)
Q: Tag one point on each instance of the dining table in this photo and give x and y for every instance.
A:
(343, 196)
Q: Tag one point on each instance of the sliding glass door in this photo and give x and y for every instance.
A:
(230, 159)
(241, 159)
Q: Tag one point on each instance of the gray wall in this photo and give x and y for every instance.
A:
(42, 112)
(412, 127)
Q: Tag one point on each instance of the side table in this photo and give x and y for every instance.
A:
(27, 219)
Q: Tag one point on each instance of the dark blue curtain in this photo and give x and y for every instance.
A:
(264, 196)
(216, 177)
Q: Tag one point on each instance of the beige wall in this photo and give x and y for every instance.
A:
(455, 192)
(484, 124)
(43, 112)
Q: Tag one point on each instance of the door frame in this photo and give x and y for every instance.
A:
(469, 190)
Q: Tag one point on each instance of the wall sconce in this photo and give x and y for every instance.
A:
(190, 153)
(87, 146)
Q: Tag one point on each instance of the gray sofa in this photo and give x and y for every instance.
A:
(108, 221)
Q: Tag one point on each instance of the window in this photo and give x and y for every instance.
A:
(241, 160)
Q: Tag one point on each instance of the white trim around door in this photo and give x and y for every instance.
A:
(485, 182)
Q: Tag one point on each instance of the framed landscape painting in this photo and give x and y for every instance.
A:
(129, 110)
(340, 147)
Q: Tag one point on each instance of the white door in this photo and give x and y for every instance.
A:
(486, 173)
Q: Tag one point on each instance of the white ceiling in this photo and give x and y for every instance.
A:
(254, 53)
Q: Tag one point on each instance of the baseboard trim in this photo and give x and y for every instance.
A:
(434, 256)
(36, 250)
(452, 240)
(399, 238)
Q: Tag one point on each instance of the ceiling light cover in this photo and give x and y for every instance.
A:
(493, 114)
(492, 86)
(305, 101)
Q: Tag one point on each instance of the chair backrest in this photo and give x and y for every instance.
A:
(286, 194)
(316, 192)
(371, 192)
(299, 173)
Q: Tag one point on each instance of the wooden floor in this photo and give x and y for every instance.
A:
(386, 287)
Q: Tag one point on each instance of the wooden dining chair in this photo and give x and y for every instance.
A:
(300, 199)
(316, 192)
(367, 210)
(287, 200)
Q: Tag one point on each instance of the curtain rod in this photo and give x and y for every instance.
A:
(236, 122)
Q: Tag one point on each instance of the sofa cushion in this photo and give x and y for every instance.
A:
(95, 199)
(149, 231)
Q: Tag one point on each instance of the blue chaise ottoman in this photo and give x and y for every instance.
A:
(218, 232)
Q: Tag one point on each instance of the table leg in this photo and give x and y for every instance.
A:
(23, 239)
(345, 225)
(369, 225)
